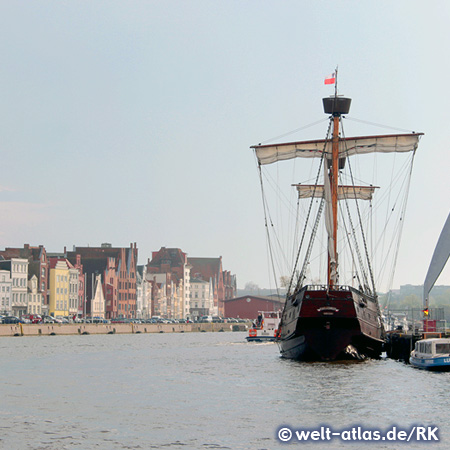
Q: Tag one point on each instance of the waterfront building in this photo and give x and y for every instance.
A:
(110, 284)
(158, 302)
(223, 282)
(37, 265)
(59, 286)
(5, 292)
(73, 290)
(143, 293)
(249, 306)
(81, 279)
(162, 296)
(117, 265)
(202, 298)
(35, 298)
(98, 302)
(171, 267)
(18, 269)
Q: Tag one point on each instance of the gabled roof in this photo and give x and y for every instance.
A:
(52, 262)
(205, 268)
(26, 252)
(172, 256)
(95, 259)
(95, 265)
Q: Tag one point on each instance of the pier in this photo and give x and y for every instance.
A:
(41, 329)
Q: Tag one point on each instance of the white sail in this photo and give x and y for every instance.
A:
(344, 192)
(438, 261)
(268, 154)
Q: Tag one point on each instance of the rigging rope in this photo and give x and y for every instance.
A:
(310, 245)
(401, 225)
(293, 131)
(361, 225)
(309, 213)
(378, 125)
(267, 229)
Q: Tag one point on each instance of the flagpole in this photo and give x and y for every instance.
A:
(335, 81)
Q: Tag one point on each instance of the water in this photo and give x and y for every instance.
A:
(199, 391)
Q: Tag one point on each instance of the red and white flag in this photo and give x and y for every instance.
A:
(330, 79)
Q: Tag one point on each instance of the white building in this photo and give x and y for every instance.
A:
(158, 301)
(18, 269)
(35, 298)
(143, 294)
(98, 302)
(5, 292)
(186, 295)
(202, 298)
(74, 277)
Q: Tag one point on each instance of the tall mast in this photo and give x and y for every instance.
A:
(336, 106)
(334, 175)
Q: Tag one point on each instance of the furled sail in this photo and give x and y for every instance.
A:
(268, 154)
(438, 261)
(344, 192)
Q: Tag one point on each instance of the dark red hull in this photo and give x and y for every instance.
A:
(326, 325)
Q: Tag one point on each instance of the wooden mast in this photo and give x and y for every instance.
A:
(336, 106)
(334, 174)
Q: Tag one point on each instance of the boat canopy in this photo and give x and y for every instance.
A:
(344, 192)
(438, 261)
(268, 154)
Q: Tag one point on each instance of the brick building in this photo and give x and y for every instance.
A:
(248, 306)
(117, 267)
(223, 282)
(169, 271)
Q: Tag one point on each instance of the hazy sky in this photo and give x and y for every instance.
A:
(131, 121)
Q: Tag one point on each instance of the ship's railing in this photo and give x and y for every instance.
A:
(324, 287)
(341, 288)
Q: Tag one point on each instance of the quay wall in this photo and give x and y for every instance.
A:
(41, 329)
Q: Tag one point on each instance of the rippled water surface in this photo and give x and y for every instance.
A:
(199, 391)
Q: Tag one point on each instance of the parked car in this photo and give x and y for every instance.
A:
(33, 318)
(61, 319)
(204, 319)
(118, 320)
(12, 320)
(24, 319)
(99, 320)
(48, 319)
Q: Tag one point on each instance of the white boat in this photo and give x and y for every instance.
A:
(266, 327)
(431, 354)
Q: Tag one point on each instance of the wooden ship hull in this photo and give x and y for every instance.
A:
(333, 324)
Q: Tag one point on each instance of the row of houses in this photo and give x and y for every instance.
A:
(106, 282)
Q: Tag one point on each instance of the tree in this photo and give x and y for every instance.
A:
(284, 281)
(250, 286)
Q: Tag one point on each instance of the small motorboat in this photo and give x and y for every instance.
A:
(432, 354)
(266, 327)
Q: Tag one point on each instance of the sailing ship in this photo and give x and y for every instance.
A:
(328, 320)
